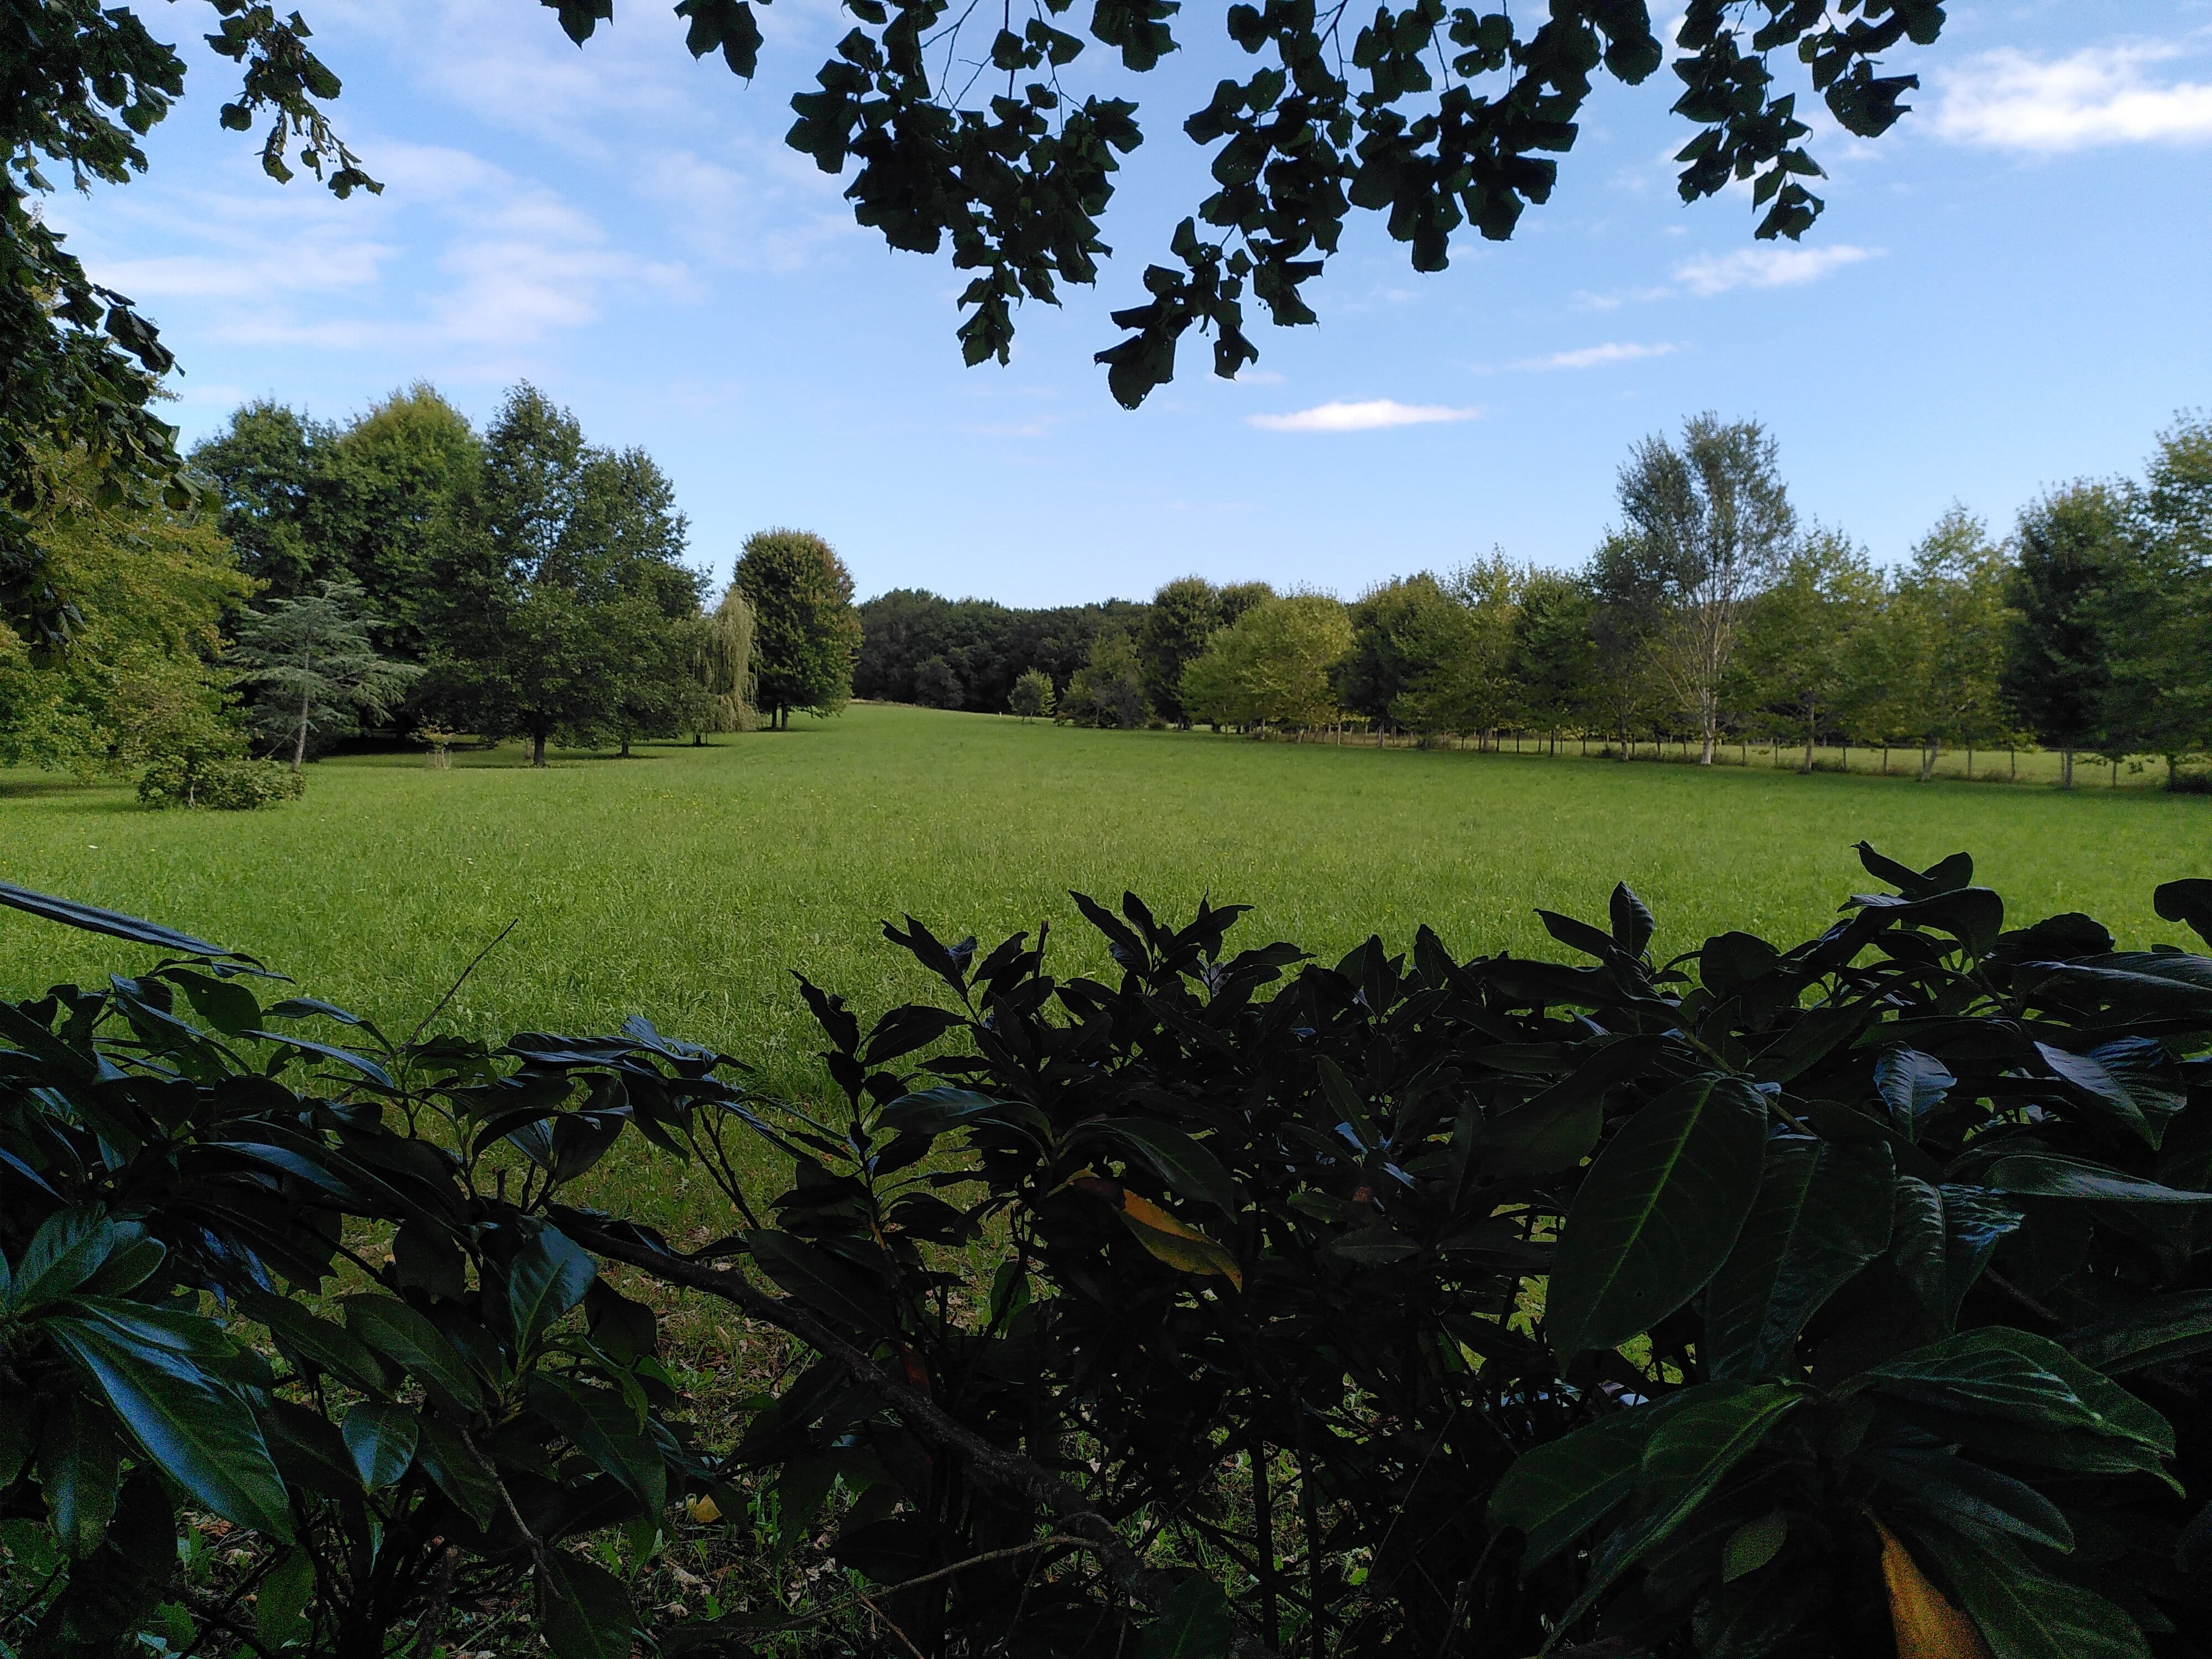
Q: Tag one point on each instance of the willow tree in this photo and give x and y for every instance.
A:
(725, 666)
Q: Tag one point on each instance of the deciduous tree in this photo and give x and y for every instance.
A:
(1402, 633)
(805, 634)
(2058, 670)
(1555, 654)
(1801, 644)
(1710, 523)
(1944, 636)
(725, 666)
(2160, 607)
(1275, 668)
(558, 599)
(1032, 697)
(1109, 690)
(1182, 618)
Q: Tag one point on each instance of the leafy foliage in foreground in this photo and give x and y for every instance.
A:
(1750, 1304)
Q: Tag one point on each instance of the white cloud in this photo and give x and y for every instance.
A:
(2006, 100)
(458, 254)
(1765, 267)
(1596, 356)
(1361, 417)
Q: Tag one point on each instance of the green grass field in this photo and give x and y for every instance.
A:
(686, 884)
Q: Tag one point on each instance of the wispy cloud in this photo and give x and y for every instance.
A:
(1361, 417)
(459, 254)
(1765, 267)
(2006, 100)
(1596, 356)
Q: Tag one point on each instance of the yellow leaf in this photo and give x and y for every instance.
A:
(1181, 1246)
(1927, 1626)
(703, 1509)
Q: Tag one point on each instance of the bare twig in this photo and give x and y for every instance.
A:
(993, 1466)
(2019, 1298)
(988, 1555)
(212, 1609)
(453, 990)
(904, 1638)
(432, 1622)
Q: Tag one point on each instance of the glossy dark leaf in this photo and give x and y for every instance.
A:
(605, 1427)
(459, 1473)
(315, 1343)
(933, 1111)
(198, 1428)
(548, 1276)
(1658, 1213)
(2022, 1612)
(79, 1470)
(1713, 1429)
(2152, 1333)
(2020, 1378)
(113, 923)
(1188, 1169)
(1556, 1492)
(69, 1248)
(223, 1003)
(411, 1342)
(1943, 1237)
(1633, 925)
(583, 1611)
(1911, 1085)
(380, 1439)
(1823, 1212)
(2043, 1174)
(819, 1281)
(1970, 1495)
(2189, 901)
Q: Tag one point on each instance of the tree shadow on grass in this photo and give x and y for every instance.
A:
(71, 792)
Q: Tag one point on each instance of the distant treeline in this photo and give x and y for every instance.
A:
(1710, 612)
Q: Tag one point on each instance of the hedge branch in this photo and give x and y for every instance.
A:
(994, 1465)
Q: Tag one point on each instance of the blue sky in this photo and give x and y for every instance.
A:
(2008, 290)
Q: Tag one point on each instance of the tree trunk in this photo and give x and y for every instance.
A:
(625, 742)
(1927, 762)
(2066, 769)
(299, 745)
(537, 749)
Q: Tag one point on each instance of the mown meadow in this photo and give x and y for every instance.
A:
(689, 884)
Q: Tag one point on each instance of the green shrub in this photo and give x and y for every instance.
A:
(223, 782)
(1736, 1305)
